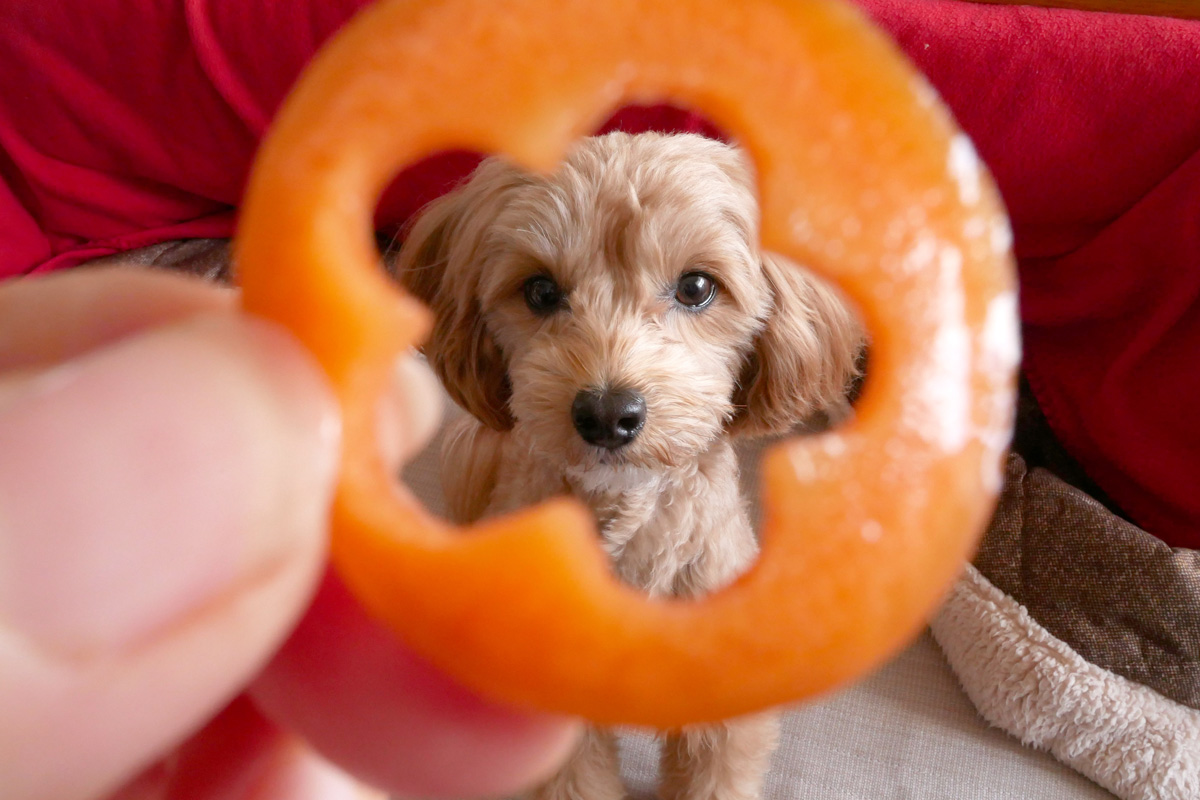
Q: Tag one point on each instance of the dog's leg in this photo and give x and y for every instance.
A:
(725, 761)
(592, 772)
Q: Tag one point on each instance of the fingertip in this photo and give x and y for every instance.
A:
(372, 706)
(47, 319)
(163, 523)
(217, 430)
(410, 412)
(240, 755)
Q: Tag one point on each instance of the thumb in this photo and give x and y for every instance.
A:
(162, 525)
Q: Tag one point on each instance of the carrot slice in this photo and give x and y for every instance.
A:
(863, 176)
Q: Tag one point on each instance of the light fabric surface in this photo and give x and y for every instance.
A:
(906, 733)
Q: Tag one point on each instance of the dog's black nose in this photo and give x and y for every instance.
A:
(608, 419)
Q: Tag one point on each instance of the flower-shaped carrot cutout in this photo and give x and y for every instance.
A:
(862, 175)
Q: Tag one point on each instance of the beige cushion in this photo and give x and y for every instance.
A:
(906, 733)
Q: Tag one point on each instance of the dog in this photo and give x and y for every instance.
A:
(612, 328)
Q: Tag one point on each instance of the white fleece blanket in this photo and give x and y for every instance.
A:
(1126, 737)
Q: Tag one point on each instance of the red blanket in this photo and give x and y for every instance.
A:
(119, 130)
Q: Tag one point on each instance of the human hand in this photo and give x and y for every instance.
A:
(166, 465)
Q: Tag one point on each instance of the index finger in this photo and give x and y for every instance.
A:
(48, 319)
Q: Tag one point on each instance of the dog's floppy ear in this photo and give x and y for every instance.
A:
(804, 359)
(440, 262)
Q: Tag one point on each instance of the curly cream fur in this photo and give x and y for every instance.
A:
(616, 226)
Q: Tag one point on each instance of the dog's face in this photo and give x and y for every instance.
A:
(619, 311)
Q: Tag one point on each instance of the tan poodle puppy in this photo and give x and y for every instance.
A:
(610, 328)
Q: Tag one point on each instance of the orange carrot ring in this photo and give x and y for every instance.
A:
(862, 175)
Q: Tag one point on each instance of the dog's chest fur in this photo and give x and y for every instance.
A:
(682, 531)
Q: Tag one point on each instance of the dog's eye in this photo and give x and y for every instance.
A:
(542, 295)
(695, 290)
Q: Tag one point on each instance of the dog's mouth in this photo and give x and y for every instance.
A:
(611, 458)
(592, 457)
(637, 455)
(608, 476)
